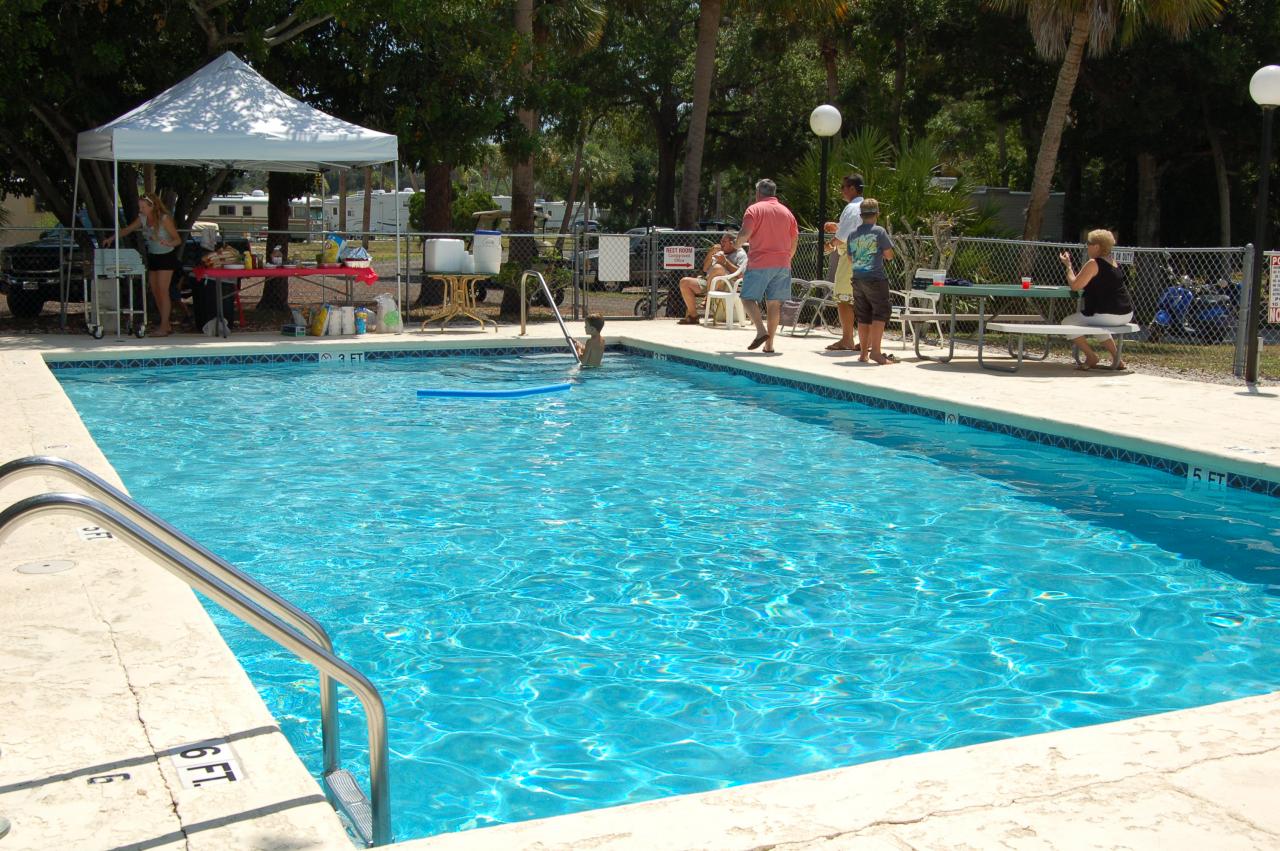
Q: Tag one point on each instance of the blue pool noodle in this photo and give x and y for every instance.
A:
(492, 394)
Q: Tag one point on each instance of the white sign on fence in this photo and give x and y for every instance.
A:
(1273, 303)
(1122, 256)
(677, 257)
(614, 258)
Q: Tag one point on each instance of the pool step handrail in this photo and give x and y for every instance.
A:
(546, 292)
(370, 817)
(48, 465)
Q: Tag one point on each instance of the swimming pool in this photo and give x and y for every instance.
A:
(669, 580)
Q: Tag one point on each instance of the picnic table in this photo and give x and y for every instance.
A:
(989, 309)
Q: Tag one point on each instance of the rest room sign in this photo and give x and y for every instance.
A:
(1273, 303)
(677, 257)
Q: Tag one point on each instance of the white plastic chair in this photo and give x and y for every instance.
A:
(726, 288)
(918, 301)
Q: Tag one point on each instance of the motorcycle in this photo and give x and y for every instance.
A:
(1200, 314)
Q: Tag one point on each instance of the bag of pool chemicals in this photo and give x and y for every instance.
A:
(389, 319)
(320, 321)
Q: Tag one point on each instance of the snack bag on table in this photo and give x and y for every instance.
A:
(220, 257)
(332, 248)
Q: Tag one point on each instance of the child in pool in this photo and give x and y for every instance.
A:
(593, 351)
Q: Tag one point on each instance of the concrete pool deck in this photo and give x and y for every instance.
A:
(112, 668)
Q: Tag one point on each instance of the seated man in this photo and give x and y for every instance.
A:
(724, 260)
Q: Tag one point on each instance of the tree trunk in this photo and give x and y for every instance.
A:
(571, 198)
(342, 201)
(523, 251)
(1220, 176)
(666, 123)
(368, 206)
(830, 53)
(184, 215)
(438, 203)
(704, 68)
(275, 291)
(1047, 158)
(1148, 225)
(899, 85)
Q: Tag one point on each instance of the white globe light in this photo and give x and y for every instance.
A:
(1264, 88)
(825, 120)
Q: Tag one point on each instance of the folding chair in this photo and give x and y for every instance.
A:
(817, 295)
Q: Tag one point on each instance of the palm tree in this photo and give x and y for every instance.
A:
(704, 66)
(1062, 29)
(832, 12)
(543, 25)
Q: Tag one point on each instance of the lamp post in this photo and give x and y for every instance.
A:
(824, 121)
(1264, 88)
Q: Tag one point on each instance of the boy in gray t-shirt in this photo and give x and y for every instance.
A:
(869, 247)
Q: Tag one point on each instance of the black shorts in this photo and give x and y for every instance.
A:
(871, 300)
(158, 262)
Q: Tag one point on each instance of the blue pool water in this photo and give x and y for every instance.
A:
(669, 580)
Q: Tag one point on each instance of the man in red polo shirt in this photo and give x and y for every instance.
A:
(771, 230)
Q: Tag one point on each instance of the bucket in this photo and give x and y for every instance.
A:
(442, 255)
(487, 248)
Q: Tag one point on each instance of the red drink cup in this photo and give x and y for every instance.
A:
(1026, 283)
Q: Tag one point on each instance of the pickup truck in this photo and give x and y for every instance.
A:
(30, 273)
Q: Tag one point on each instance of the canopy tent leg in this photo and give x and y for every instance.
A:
(65, 273)
(399, 236)
(115, 224)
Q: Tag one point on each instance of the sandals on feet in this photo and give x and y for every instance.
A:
(839, 346)
(758, 342)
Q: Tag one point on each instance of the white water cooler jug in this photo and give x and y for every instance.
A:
(486, 246)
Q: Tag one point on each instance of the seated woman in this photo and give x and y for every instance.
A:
(723, 261)
(1106, 302)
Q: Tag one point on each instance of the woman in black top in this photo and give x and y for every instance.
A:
(1105, 300)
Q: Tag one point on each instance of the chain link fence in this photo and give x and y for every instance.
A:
(646, 283)
(41, 270)
(1189, 301)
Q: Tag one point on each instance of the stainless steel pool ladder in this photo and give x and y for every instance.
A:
(546, 292)
(254, 604)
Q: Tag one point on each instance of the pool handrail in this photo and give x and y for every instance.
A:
(42, 465)
(375, 827)
(546, 291)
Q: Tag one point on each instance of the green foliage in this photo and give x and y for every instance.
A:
(466, 204)
(418, 212)
(446, 77)
(902, 181)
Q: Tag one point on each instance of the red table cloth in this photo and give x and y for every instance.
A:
(365, 275)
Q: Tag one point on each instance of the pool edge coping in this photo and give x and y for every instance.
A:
(1175, 459)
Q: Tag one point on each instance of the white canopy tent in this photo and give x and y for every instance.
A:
(227, 115)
